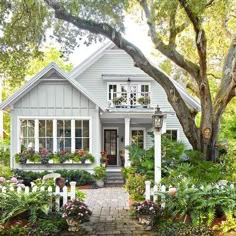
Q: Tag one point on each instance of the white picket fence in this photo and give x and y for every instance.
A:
(152, 193)
(67, 193)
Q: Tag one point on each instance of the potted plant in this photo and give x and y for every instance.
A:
(103, 159)
(35, 157)
(146, 212)
(144, 100)
(99, 175)
(22, 157)
(117, 100)
(88, 156)
(75, 212)
(45, 156)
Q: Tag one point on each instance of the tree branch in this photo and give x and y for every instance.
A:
(169, 50)
(175, 99)
(228, 83)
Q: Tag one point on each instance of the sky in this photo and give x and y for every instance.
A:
(136, 33)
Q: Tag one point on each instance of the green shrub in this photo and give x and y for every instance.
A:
(182, 229)
(81, 177)
(202, 203)
(5, 171)
(135, 185)
(50, 225)
(15, 230)
(5, 152)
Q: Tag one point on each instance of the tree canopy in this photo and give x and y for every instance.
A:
(197, 37)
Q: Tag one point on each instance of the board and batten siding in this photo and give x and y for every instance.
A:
(118, 63)
(56, 99)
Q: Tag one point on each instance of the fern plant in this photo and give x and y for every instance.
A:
(14, 204)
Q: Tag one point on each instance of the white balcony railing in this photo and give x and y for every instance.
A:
(130, 99)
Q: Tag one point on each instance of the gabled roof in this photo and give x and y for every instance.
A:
(84, 65)
(109, 45)
(34, 81)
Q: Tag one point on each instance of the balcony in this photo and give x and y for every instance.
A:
(130, 100)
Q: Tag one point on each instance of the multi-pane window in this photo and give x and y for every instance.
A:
(172, 134)
(112, 88)
(27, 135)
(82, 135)
(137, 137)
(46, 135)
(67, 135)
(64, 135)
(144, 90)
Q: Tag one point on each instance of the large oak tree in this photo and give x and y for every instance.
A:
(198, 36)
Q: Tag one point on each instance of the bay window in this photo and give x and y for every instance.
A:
(54, 135)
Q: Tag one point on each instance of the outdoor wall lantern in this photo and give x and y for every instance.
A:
(157, 119)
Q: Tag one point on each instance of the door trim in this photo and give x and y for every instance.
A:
(118, 142)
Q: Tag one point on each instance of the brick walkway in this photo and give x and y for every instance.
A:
(110, 214)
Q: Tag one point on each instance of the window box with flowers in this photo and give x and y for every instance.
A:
(45, 157)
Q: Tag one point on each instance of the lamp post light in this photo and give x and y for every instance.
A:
(157, 122)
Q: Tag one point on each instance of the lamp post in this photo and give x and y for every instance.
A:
(157, 122)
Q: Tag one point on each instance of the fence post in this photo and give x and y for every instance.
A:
(147, 190)
(57, 192)
(163, 189)
(155, 191)
(72, 189)
(65, 195)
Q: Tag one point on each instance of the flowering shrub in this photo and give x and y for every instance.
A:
(103, 158)
(12, 182)
(76, 210)
(146, 208)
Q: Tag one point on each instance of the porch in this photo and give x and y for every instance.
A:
(119, 130)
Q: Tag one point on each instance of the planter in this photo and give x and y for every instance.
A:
(23, 160)
(100, 183)
(74, 226)
(145, 220)
(86, 186)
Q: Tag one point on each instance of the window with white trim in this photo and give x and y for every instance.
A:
(64, 135)
(128, 90)
(46, 135)
(137, 137)
(67, 135)
(82, 135)
(112, 88)
(27, 139)
(172, 134)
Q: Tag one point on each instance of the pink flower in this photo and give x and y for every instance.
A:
(2, 179)
(151, 208)
(21, 185)
(13, 180)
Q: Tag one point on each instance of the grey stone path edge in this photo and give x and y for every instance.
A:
(110, 207)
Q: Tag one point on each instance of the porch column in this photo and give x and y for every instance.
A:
(127, 141)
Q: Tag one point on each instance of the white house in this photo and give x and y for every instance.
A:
(104, 104)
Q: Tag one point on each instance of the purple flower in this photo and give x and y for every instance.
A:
(13, 180)
(2, 179)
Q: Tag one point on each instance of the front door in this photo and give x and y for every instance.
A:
(110, 145)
